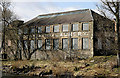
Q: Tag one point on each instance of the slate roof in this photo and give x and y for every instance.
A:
(84, 15)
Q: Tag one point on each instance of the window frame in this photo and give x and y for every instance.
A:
(83, 27)
(45, 29)
(72, 43)
(38, 44)
(31, 30)
(58, 44)
(38, 29)
(63, 26)
(67, 44)
(73, 27)
(54, 28)
(83, 44)
(47, 45)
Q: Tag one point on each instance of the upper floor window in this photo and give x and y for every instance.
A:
(75, 43)
(75, 27)
(85, 43)
(25, 30)
(85, 26)
(56, 28)
(47, 29)
(65, 27)
(32, 30)
(39, 29)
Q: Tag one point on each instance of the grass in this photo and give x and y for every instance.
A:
(98, 65)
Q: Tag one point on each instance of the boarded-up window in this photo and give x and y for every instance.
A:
(32, 44)
(65, 44)
(25, 30)
(25, 45)
(9, 42)
(47, 29)
(56, 28)
(47, 44)
(56, 44)
(39, 29)
(85, 26)
(40, 44)
(32, 30)
(75, 27)
(85, 43)
(65, 28)
(75, 43)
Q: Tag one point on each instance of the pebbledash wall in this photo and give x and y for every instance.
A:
(77, 34)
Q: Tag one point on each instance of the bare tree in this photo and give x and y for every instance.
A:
(112, 7)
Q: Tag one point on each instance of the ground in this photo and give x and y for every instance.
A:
(96, 66)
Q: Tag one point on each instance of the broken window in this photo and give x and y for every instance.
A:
(39, 44)
(75, 43)
(75, 27)
(65, 44)
(55, 44)
(47, 44)
(85, 26)
(32, 44)
(47, 29)
(39, 29)
(65, 28)
(56, 28)
(85, 43)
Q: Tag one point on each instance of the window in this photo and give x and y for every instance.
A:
(39, 29)
(56, 28)
(65, 44)
(32, 44)
(25, 45)
(19, 31)
(65, 28)
(75, 43)
(47, 29)
(32, 30)
(47, 44)
(85, 26)
(56, 44)
(39, 44)
(75, 27)
(25, 30)
(85, 43)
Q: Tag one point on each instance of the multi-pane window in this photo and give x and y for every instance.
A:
(40, 44)
(56, 28)
(32, 30)
(25, 45)
(32, 44)
(25, 30)
(47, 29)
(55, 44)
(65, 27)
(65, 44)
(47, 44)
(75, 27)
(85, 26)
(39, 29)
(85, 43)
(75, 43)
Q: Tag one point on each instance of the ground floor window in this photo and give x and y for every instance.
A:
(65, 44)
(40, 44)
(25, 44)
(47, 44)
(55, 44)
(32, 44)
(75, 43)
(85, 43)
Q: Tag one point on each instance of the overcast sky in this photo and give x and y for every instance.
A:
(26, 10)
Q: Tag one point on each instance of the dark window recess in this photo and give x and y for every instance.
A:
(55, 44)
